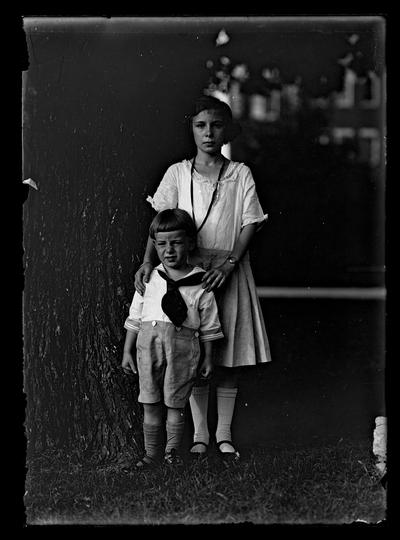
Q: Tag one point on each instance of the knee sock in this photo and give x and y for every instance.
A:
(174, 435)
(226, 398)
(199, 407)
(152, 435)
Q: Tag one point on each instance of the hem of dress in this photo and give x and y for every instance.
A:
(267, 361)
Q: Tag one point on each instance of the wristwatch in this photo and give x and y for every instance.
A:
(232, 260)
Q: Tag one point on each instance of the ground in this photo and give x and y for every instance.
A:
(324, 484)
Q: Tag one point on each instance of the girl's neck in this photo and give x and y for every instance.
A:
(207, 160)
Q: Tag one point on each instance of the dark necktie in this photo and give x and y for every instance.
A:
(172, 303)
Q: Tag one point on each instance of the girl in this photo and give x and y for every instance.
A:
(221, 196)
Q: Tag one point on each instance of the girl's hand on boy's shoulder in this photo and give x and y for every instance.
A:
(128, 364)
(216, 277)
(142, 277)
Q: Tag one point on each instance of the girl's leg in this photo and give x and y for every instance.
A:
(199, 408)
(226, 397)
(152, 432)
(175, 427)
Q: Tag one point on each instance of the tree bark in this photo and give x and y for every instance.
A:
(78, 287)
(84, 234)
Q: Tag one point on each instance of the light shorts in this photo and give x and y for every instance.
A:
(167, 361)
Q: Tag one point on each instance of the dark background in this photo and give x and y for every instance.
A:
(104, 104)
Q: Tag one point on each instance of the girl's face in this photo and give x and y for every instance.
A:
(209, 131)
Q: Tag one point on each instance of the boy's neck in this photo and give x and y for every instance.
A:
(178, 273)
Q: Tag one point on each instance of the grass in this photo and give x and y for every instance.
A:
(333, 484)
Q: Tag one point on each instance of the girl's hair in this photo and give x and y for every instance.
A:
(173, 219)
(210, 103)
(204, 103)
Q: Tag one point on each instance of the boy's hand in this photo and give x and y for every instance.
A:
(206, 369)
(128, 365)
(142, 277)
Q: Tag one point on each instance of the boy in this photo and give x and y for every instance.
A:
(167, 325)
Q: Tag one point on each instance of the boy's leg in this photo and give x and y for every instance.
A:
(152, 433)
(150, 367)
(182, 361)
(175, 428)
(199, 407)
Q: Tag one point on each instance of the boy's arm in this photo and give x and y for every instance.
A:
(206, 367)
(132, 326)
(128, 363)
(210, 330)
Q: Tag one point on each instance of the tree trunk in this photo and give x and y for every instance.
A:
(83, 238)
(78, 287)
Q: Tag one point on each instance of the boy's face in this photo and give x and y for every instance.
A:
(173, 248)
(209, 131)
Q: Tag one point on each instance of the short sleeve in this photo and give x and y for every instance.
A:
(166, 195)
(252, 211)
(133, 321)
(210, 326)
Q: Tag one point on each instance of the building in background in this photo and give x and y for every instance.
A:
(353, 116)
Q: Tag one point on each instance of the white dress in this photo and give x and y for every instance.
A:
(236, 205)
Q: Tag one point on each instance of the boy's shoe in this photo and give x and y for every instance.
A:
(172, 457)
(146, 463)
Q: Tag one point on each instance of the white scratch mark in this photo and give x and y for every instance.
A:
(222, 38)
(31, 183)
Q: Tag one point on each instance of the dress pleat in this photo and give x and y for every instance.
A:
(245, 340)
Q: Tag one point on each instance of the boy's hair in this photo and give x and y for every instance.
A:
(211, 103)
(173, 219)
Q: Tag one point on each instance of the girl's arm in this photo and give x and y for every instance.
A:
(216, 277)
(142, 275)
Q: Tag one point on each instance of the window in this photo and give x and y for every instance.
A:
(371, 91)
(342, 134)
(345, 99)
(369, 146)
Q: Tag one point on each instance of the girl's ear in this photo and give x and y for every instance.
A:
(192, 244)
(232, 130)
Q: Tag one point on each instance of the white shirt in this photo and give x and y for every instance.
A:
(236, 204)
(202, 307)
